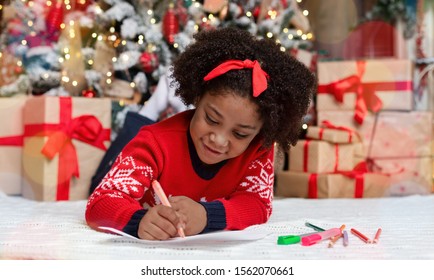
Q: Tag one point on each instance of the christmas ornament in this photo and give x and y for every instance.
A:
(187, 3)
(170, 25)
(90, 93)
(55, 18)
(149, 61)
(256, 12)
(181, 13)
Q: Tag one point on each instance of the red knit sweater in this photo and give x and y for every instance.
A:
(243, 185)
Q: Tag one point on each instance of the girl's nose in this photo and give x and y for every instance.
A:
(219, 139)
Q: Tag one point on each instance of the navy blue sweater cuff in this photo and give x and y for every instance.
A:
(133, 225)
(216, 216)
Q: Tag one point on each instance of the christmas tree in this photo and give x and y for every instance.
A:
(120, 48)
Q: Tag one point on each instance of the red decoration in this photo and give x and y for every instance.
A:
(90, 93)
(18, 70)
(170, 25)
(181, 13)
(54, 18)
(372, 39)
(149, 62)
(256, 11)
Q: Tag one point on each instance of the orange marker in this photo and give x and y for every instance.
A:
(162, 196)
(336, 238)
(377, 235)
(360, 235)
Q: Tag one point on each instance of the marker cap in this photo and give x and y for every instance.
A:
(288, 239)
(311, 239)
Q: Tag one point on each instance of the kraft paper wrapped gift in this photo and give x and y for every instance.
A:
(333, 134)
(321, 156)
(64, 141)
(397, 134)
(380, 84)
(408, 176)
(312, 185)
(11, 143)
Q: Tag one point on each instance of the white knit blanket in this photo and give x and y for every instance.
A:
(57, 230)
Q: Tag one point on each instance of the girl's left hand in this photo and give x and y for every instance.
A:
(194, 212)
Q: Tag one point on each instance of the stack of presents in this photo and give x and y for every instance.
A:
(50, 147)
(368, 140)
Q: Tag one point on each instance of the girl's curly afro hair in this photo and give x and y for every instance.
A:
(290, 84)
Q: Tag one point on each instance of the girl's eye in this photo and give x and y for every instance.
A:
(210, 120)
(240, 135)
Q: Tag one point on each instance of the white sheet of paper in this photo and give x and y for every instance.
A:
(219, 236)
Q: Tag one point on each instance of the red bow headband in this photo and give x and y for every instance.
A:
(259, 76)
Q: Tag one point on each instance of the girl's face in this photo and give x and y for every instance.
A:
(223, 126)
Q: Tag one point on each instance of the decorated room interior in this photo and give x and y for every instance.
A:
(72, 70)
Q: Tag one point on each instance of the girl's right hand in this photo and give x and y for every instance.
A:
(159, 223)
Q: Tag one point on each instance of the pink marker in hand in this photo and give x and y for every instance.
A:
(316, 237)
(162, 196)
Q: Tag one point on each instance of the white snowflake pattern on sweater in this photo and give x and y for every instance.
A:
(119, 178)
(262, 184)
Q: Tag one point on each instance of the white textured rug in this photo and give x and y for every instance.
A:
(57, 230)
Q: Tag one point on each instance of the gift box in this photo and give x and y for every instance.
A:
(333, 134)
(64, 141)
(396, 134)
(408, 176)
(11, 142)
(309, 59)
(313, 185)
(359, 86)
(321, 156)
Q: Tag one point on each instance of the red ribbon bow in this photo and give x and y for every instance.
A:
(259, 76)
(365, 92)
(85, 128)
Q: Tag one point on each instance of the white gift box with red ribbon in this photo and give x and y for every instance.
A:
(11, 144)
(365, 85)
(65, 139)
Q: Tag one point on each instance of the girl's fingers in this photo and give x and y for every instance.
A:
(160, 229)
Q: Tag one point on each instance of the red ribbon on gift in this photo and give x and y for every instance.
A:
(306, 156)
(357, 173)
(328, 124)
(85, 128)
(12, 141)
(365, 92)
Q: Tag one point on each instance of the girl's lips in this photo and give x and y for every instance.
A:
(212, 150)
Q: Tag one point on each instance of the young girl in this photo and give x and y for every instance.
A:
(214, 162)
